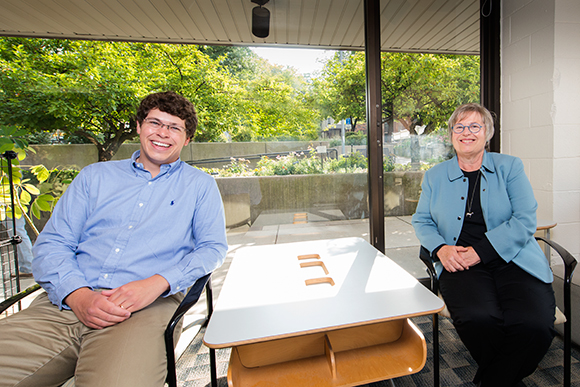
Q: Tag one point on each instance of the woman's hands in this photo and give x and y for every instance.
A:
(457, 258)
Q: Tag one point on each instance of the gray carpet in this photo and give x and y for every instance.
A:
(457, 367)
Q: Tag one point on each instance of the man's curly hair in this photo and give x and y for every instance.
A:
(171, 103)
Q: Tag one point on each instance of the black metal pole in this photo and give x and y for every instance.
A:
(490, 65)
(15, 240)
(372, 13)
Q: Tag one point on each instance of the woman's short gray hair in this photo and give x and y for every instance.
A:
(464, 110)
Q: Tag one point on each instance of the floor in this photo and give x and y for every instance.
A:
(457, 367)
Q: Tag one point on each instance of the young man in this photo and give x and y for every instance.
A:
(124, 242)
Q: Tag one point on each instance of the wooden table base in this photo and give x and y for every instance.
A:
(346, 357)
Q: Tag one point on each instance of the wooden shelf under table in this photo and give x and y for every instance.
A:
(344, 357)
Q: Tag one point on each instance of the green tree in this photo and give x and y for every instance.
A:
(278, 104)
(240, 62)
(91, 89)
(341, 87)
(417, 89)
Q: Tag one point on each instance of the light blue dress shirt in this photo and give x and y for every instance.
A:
(115, 224)
(508, 204)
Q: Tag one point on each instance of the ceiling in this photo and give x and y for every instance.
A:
(435, 26)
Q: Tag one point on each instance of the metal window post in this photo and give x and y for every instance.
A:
(372, 14)
(490, 67)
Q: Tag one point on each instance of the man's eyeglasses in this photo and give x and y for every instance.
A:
(157, 125)
(473, 128)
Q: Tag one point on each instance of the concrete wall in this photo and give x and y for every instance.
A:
(540, 94)
(79, 156)
(245, 198)
(540, 61)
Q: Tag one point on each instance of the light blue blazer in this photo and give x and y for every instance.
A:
(509, 210)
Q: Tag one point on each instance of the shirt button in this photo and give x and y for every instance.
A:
(459, 218)
(149, 183)
(462, 198)
(130, 227)
(105, 276)
(117, 250)
(178, 287)
(140, 204)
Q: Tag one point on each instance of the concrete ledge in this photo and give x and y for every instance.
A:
(245, 198)
(81, 155)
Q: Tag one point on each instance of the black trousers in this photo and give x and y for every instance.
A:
(505, 318)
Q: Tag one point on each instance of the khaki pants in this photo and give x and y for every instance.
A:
(44, 346)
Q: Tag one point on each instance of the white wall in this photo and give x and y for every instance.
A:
(541, 106)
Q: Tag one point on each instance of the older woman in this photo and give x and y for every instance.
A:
(477, 217)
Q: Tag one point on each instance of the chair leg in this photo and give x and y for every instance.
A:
(567, 345)
(212, 356)
(435, 350)
(213, 367)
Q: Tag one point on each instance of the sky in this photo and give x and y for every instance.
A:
(305, 60)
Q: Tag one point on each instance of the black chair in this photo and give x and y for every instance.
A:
(189, 301)
(561, 318)
(7, 303)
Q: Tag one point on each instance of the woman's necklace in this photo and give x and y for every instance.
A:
(469, 212)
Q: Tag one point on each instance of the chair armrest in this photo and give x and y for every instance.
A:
(569, 261)
(190, 300)
(7, 303)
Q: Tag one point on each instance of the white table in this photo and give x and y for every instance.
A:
(347, 328)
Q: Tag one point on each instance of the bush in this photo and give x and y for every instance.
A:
(355, 138)
(304, 164)
(351, 163)
(335, 142)
(292, 164)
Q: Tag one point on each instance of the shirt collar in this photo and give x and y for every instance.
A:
(454, 172)
(164, 169)
(487, 163)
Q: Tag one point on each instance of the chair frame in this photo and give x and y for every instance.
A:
(189, 301)
(569, 266)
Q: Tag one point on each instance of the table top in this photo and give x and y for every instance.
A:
(543, 224)
(265, 296)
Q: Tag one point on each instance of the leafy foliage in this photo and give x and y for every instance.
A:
(278, 104)
(417, 89)
(304, 164)
(90, 90)
(37, 192)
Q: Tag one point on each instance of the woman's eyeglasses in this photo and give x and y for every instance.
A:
(473, 128)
